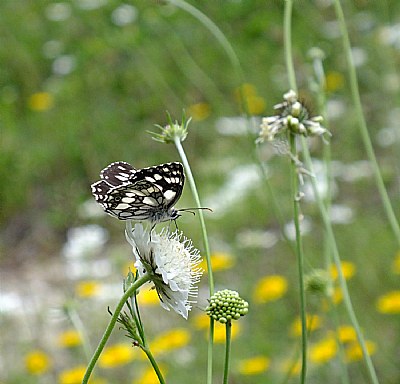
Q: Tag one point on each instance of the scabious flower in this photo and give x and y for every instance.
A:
(292, 115)
(172, 131)
(172, 262)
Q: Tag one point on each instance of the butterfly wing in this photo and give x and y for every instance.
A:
(117, 173)
(147, 194)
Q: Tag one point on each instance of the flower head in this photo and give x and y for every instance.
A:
(292, 115)
(172, 262)
(172, 131)
(227, 305)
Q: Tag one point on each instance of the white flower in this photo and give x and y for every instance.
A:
(172, 262)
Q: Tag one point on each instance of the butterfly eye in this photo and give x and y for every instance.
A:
(117, 198)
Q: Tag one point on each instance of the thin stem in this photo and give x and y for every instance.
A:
(336, 258)
(295, 189)
(111, 325)
(300, 256)
(193, 187)
(355, 93)
(154, 364)
(228, 329)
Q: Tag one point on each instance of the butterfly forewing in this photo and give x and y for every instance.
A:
(147, 194)
(117, 173)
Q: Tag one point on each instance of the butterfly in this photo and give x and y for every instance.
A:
(140, 194)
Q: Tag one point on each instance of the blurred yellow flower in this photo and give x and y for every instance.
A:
(396, 263)
(333, 81)
(348, 270)
(254, 365)
(389, 303)
(72, 376)
(354, 351)
(292, 368)
(87, 288)
(346, 334)
(324, 350)
(173, 339)
(199, 111)
(337, 295)
(116, 355)
(129, 266)
(313, 322)
(37, 362)
(270, 288)
(247, 96)
(219, 261)
(148, 297)
(149, 376)
(220, 331)
(69, 338)
(201, 321)
(41, 101)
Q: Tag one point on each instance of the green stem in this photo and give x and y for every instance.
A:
(287, 26)
(154, 364)
(336, 258)
(227, 351)
(363, 126)
(193, 187)
(300, 256)
(111, 325)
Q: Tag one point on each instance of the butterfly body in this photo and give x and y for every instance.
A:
(140, 194)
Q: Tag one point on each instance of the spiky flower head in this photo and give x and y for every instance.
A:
(227, 305)
(172, 131)
(171, 261)
(291, 115)
(318, 282)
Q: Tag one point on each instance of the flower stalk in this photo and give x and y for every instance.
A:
(107, 333)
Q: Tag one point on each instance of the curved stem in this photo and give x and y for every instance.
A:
(355, 93)
(154, 364)
(227, 351)
(111, 325)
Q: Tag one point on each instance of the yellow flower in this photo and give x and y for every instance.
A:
(389, 303)
(246, 95)
(254, 365)
(148, 296)
(337, 295)
(69, 338)
(270, 288)
(219, 261)
(173, 339)
(348, 270)
(116, 355)
(199, 111)
(201, 321)
(313, 322)
(220, 331)
(149, 376)
(40, 101)
(346, 333)
(72, 376)
(396, 264)
(129, 266)
(333, 81)
(324, 350)
(354, 351)
(87, 288)
(37, 362)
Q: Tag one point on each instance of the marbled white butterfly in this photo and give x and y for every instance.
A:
(140, 194)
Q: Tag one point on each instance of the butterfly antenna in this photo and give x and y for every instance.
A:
(192, 209)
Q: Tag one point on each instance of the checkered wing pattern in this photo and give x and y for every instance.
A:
(142, 194)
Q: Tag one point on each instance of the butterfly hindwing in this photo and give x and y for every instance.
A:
(117, 173)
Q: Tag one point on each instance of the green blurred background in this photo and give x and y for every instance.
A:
(81, 83)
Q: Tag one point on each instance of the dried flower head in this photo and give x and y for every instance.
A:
(292, 115)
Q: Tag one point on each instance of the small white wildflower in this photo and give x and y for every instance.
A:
(172, 262)
(294, 116)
